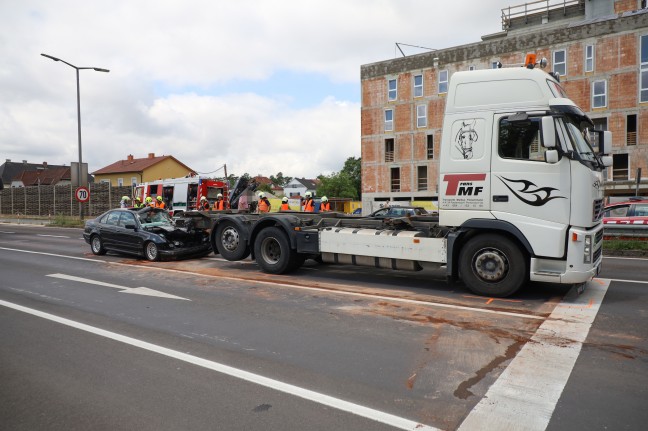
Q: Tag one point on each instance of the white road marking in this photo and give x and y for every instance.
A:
(624, 258)
(625, 281)
(123, 289)
(295, 286)
(526, 393)
(356, 409)
(3, 231)
(53, 236)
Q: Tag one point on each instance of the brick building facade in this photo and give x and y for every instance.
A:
(599, 47)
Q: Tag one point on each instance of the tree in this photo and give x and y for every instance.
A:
(338, 184)
(280, 179)
(353, 169)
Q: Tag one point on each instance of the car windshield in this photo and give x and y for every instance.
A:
(155, 218)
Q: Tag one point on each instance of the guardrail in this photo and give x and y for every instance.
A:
(635, 232)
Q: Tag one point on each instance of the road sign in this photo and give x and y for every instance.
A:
(82, 194)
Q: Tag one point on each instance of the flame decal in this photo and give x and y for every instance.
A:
(536, 196)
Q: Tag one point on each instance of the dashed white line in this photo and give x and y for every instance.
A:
(53, 236)
(307, 394)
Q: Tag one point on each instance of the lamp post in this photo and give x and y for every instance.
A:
(98, 69)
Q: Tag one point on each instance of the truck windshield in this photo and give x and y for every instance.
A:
(579, 137)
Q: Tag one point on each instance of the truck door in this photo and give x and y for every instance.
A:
(527, 191)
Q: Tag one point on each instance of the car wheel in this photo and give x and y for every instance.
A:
(493, 265)
(151, 251)
(97, 245)
(229, 242)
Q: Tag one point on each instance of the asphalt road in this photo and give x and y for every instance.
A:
(112, 342)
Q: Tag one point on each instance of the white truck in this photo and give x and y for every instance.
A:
(519, 197)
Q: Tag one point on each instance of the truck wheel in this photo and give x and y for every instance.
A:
(273, 253)
(493, 265)
(229, 241)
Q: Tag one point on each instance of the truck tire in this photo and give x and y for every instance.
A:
(273, 253)
(493, 265)
(229, 242)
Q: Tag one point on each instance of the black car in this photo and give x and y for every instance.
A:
(395, 212)
(148, 232)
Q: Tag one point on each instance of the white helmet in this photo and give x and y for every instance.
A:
(309, 194)
(285, 199)
(324, 199)
(219, 195)
(125, 198)
(261, 195)
(203, 198)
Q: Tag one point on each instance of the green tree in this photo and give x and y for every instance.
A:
(353, 169)
(280, 179)
(338, 184)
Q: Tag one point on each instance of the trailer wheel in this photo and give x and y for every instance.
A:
(493, 265)
(273, 253)
(229, 241)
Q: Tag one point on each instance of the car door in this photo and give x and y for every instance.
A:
(128, 233)
(108, 229)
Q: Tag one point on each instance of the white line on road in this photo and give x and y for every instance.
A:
(296, 286)
(53, 236)
(123, 289)
(625, 281)
(526, 393)
(624, 258)
(3, 231)
(356, 409)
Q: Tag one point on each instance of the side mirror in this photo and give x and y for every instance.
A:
(551, 156)
(605, 146)
(548, 133)
(131, 226)
(607, 161)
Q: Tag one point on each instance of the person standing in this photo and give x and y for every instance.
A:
(149, 202)
(309, 203)
(284, 204)
(138, 203)
(219, 205)
(325, 205)
(204, 204)
(159, 202)
(263, 206)
(124, 202)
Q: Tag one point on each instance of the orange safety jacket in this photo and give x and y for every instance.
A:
(159, 204)
(219, 205)
(309, 205)
(325, 206)
(285, 207)
(263, 205)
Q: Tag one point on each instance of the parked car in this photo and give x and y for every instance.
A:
(147, 232)
(634, 211)
(398, 211)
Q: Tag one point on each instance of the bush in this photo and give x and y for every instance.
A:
(66, 221)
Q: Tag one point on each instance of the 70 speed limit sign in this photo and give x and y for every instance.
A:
(82, 194)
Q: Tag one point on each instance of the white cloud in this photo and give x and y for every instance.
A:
(200, 48)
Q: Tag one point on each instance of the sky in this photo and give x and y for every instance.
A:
(262, 86)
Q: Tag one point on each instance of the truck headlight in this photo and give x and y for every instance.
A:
(587, 249)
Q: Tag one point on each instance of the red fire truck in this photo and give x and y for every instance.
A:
(182, 194)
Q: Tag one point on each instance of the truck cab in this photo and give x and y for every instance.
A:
(517, 165)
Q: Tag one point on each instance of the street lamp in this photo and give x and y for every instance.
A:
(98, 69)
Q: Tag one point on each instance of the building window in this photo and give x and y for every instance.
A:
(643, 71)
(120, 182)
(620, 167)
(443, 81)
(391, 89)
(105, 181)
(589, 58)
(389, 150)
(472, 68)
(599, 94)
(560, 62)
(421, 116)
(430, 146)
(395, 180)
(389, 120)
(133, 181)
(631, 129)
(421, 173)
(418, 85)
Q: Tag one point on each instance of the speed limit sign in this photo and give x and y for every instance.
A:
(82, 194)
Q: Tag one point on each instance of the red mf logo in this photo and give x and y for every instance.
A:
(461, 184)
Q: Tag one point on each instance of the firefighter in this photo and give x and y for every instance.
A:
(263, 206)
(138, 203)
(159, 202)
(124, 202)
(309, 204)
(149, 201)
(284, 204)
(204, 203)
(325, 205)
(219, 205)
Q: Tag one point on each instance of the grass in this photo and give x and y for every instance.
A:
(66, 221)
(615, 244)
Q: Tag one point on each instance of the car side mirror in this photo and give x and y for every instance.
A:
(551, 156)
(131, 226)
(548, 132)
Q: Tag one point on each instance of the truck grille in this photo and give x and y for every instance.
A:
(597, 212)
(599, 237)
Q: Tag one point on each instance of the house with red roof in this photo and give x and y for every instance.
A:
(132, 171)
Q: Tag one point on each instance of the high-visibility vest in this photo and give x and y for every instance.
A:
(309, 205)
(159, 204)
(325, 206)
(263, 205)
(219, 205)
(285, 206)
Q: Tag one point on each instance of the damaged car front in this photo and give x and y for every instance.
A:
(148, 232)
